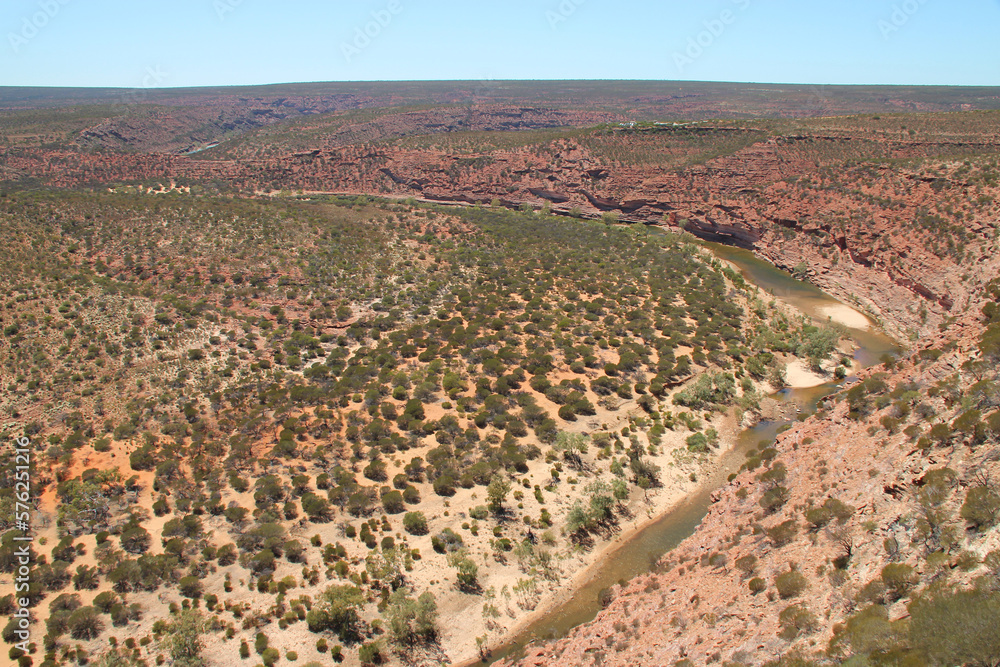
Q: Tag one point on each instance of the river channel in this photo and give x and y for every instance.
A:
(640, 552)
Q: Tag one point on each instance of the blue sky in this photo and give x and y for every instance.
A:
(233, 42)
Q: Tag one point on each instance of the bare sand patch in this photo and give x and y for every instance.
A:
(800, 376)
(844, 314)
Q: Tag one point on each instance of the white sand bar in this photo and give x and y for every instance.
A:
(800, 376)
(846, 315)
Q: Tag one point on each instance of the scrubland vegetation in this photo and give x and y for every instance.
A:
(329, 414)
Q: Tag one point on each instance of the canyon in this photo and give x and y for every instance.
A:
(891, 205)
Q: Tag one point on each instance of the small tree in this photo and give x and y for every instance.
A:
(386, 566)
(337, 610)
(184, 642)
(497, 492)
(573, 446)
(577, 519)
(411, 621)
(468, 572)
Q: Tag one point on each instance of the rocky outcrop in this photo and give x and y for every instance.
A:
(556, 197)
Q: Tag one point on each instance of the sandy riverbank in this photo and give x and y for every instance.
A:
(676, 490)
(799, 376)
(844, 314)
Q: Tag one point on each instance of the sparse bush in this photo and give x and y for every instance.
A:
(796, 620)
(790, 584)
(981, 507)
(746, 564)
(415, 523)
(85, 623)
(898, 579)
(783, 533)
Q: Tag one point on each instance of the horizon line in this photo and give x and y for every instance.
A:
(154, 89)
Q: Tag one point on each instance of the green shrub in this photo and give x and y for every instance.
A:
(105, 601)
(783, 533)
(790, 584)
(796, 620)
(867, 632)
(393, 503)
(446, 541)
(697, 442)
(444, 485)
(415, 523)
(898, 578)
(981, 507)
(370, 654)
(819, 517)
(190, 587)
(774, 499)
(957, 628)
(85, 624)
